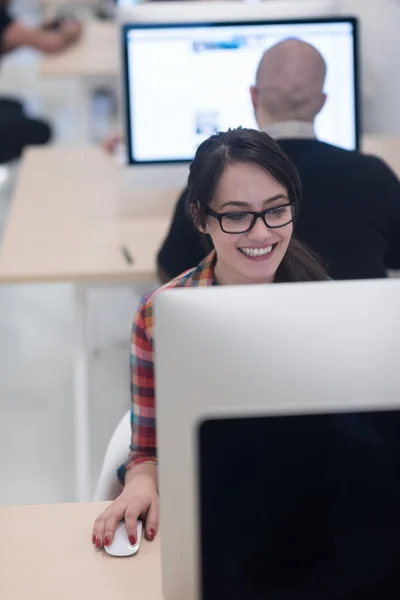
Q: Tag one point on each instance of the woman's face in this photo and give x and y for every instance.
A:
(251, 257)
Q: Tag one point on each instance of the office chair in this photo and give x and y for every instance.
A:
(108, 487)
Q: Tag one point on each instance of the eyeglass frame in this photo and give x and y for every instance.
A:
(255, 214)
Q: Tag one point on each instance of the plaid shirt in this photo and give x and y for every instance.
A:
(144, 444)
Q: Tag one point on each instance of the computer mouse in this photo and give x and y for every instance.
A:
(121, 546)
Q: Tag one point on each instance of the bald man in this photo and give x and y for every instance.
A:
(350, 211)
(288, 93)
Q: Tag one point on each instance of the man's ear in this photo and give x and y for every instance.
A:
(323, 101)
(254, 96)
(195, 214)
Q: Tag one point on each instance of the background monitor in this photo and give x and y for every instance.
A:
(186, 81)
(264, 351)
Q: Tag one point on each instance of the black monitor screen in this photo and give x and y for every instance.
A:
(300, 507)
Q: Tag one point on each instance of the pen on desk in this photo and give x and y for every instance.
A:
(127, 255)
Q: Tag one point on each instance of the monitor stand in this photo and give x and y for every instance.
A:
(163, 176)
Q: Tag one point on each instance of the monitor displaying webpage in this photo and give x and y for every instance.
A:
(184, 83)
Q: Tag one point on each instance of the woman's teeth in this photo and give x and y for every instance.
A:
(256, 251)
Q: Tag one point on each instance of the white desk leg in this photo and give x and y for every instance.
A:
(81, 399)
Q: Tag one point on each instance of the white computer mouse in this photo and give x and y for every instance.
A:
(121, 546)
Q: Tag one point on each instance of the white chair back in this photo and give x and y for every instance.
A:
(108, 487)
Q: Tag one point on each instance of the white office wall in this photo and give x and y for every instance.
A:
(380, 62)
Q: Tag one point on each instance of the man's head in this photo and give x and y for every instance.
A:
(289, 83)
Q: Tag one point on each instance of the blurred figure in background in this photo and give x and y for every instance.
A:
(350, 213)
(18, 130)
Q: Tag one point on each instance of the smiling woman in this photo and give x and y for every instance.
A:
(244, 193)
(258, 236)
(245, 182)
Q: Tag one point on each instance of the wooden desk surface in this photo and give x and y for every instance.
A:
(97, 54)
(72, 212)
(46, 554)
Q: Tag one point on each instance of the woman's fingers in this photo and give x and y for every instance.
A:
(109, 529)
(152, 519)
(98, 531)
(131, 518)
(105, 524)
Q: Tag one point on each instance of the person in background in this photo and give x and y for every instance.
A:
(17, 129)
(351, 202)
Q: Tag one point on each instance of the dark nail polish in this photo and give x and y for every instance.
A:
(107, 541)
(152, 533)
(94, 539)
(98, 543)
(132, 540)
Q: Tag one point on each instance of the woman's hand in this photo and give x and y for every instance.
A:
(138, 499)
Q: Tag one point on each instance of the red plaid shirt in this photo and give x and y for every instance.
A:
(144, 443)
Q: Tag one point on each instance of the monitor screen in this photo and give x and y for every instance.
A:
(300, 507)
(186, 81)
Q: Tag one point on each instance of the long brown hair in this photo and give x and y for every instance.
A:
(251, 146)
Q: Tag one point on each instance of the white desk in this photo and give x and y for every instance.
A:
(97, 54)
(72, 213)
(46, 554)
(73, 210)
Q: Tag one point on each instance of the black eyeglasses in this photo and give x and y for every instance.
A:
(244, 221)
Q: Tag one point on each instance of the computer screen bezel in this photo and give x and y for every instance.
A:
(127, 96)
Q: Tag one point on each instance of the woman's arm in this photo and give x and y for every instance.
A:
(143, 442)
(139, 473)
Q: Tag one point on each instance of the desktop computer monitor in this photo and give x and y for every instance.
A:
(184, 82)
(234, 362)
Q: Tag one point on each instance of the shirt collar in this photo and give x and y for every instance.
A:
(291, 130)
(204, 274)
